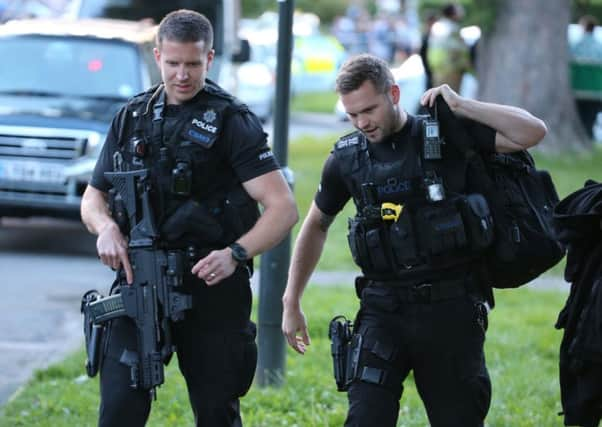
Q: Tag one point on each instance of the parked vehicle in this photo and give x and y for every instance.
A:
(65, 80)
(56, 102)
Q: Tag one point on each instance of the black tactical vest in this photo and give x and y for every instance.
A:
(400, 229)
(197, 198)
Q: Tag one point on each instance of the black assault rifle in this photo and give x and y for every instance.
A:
(151, 301)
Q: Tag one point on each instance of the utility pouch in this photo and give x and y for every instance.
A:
(440, 228)
(194, 219)
(358, 250)
(368, 245)
(340, 335)
(478, 221)
(375, 245)
(403, 243)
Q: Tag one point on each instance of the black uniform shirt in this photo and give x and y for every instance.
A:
(242, 144)
(333, 194)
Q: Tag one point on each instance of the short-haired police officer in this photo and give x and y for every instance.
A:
(219, 158)
(422, 308)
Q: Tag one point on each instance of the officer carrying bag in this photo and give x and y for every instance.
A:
(522, 200)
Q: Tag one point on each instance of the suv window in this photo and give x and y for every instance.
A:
(70, 67)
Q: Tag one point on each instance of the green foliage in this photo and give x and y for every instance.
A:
(254, 8)
(521, 350)
(571, 169)
(478, 12)
(586, 7)
(326, 10)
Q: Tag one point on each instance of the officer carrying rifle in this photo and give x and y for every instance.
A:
(418, 235)
(183, 168)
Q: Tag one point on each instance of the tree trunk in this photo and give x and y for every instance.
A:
(523, 61)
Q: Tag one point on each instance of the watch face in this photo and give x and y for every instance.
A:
(238, 252)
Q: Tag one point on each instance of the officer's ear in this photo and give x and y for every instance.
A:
(210, 57)
(395, 94)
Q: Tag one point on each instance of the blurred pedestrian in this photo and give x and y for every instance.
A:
(448, 55)
(587, 52)
(430, 20)
(383, 38)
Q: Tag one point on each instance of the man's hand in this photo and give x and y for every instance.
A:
(112, 249)
(293, 321)
(451, 98)
(215, 267)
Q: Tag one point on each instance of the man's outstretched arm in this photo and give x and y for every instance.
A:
(306, 254)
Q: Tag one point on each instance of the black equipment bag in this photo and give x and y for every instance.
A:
(522, 200)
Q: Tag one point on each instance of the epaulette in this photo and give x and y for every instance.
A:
(349, 140)
(214, 89)
(143, 96)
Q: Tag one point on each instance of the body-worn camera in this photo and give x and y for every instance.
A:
(138, 149)
(181, 179)
(435, 192)
(432, 140)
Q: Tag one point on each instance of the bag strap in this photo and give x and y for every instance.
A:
(457, 135)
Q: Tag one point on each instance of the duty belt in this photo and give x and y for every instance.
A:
(427, 292)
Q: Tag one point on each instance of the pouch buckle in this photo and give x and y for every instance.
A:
(422, 292)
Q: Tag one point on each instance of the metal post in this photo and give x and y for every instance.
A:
(274, 263)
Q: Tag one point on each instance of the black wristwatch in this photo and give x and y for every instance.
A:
(239, 254)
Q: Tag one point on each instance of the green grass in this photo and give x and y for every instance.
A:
(522, 352)
(570, 170)
(314, 102)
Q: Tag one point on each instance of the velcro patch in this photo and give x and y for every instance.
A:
(348, 142)
(204, 130)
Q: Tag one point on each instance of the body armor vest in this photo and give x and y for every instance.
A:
(197, 198)
(409, 228)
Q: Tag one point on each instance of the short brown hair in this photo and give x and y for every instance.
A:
(185, 26)
(359, 68)
(588, 22)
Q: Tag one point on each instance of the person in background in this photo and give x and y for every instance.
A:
(431, 18)
(588, 50)
(448, 55)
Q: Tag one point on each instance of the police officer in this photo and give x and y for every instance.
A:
(218, 159)
(422, 305)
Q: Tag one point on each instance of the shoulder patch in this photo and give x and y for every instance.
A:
(204, 127)
(348, 140)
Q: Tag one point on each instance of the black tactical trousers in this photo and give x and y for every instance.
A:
(218, 367)
(436, 333)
